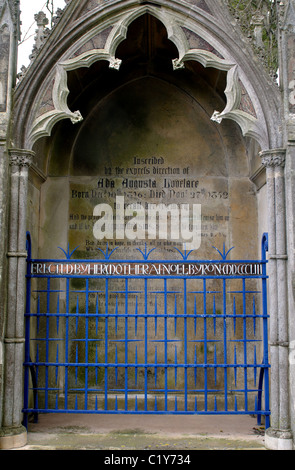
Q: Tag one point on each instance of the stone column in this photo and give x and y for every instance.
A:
(12, 433)
(279, 435)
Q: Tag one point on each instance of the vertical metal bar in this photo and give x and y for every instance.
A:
(47, 342)
(264, 249)
(195, 368)
(76, 368)
(195, 316)
(145, 345)
(135, 371)
(135, 316)
(56, 368)
(234, 315)
(156, 368)
(126, 344)
(205, 344)
(225, 344)
(215, 364)
(67, 341)
(155, 316)
(27, 333)
(165, 343)
(175, 368)
(245, 346)
(185, 343)
(86, 341)
(106, 344)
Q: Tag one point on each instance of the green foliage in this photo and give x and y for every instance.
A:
(252, 15)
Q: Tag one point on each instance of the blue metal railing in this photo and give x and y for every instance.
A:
(146, 336)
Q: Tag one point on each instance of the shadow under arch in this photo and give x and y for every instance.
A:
(146, 58)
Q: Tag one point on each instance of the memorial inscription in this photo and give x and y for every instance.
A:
(139, 184)
(210, 269)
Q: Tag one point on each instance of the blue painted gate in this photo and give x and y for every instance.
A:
(146, 336)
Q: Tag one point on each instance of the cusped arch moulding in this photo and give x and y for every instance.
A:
(249, 124)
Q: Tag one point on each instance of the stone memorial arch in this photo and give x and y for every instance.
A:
(121, 96)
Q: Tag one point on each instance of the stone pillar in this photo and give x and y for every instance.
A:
(279, 436)
(12, 433)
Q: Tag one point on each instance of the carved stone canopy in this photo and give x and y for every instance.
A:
(251, 126)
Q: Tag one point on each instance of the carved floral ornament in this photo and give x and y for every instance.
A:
(20, 158)
(273, 158)
(250, 125)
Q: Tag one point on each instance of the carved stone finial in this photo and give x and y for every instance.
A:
(178, 64)
(115, 63)
(41, 33)
(216, 117)
(76, 117)
(41, 19)
(258, 23)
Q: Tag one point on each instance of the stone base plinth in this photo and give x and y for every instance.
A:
(278, 440)
(12, 438)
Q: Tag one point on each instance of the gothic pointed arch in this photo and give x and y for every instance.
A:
(197, 37)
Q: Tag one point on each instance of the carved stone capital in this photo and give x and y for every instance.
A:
(273, 158)
(20, 157)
